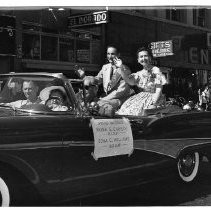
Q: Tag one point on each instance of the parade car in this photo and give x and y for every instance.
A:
(53, 155)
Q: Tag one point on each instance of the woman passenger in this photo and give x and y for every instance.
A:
(149, 81)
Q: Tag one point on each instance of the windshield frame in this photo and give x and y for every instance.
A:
(70, 94)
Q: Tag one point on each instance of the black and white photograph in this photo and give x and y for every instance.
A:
(105, 105)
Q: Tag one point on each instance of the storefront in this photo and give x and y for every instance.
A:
(190, 64)
(53, 50)
(44, 40)
(57, 41)
(187, 66)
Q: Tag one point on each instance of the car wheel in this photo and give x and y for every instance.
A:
(16, 190)
(188, 166)
(4, 193)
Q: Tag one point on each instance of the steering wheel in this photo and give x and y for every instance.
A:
(36, 107)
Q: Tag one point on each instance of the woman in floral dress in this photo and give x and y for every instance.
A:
(149, 81)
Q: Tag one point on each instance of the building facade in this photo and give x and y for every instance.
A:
(59, 40)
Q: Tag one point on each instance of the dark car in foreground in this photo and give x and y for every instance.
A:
(53, 156)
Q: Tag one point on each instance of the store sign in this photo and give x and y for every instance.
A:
(209, 40)
(198, 56)
(83, 55)
(88, 19)
(162, 48)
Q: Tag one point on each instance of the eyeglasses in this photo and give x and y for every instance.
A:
(56, 99)
(86, 87)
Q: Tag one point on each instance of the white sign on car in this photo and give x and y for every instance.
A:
(112, 137)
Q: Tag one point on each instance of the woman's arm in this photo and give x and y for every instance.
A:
(128, 79)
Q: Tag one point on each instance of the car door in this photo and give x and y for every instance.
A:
(83, 175)
(34, 146)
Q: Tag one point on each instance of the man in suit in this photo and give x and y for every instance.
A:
(116, 91)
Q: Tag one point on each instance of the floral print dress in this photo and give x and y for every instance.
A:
(147, 82)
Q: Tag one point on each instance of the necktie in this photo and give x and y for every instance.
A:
(111, 78)
(112, 72)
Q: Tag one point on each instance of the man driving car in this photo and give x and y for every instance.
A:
(30, 91)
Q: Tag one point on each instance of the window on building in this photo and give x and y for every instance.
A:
(49, 49)
(82, 51)
(31, 26)
(75, 46)
(66, 49)
(175, 14)
(31, 46)
(199, 17)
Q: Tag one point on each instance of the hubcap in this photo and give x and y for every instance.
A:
(187, 164)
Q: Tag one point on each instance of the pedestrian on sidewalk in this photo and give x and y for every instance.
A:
(204, 97)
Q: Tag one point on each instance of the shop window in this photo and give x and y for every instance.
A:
(41, 43)
(66, 49)
(31, 46)
(31, 26)
(49, 48)
(96, 37)
(199, 17)
(83, 35)
(174, 14)
(82, 51)
(96, 53)
(7, 35)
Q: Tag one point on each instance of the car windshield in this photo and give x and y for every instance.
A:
(23, 92)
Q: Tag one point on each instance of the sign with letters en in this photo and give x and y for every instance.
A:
(112, 137)
(162, 48)
(88, 19)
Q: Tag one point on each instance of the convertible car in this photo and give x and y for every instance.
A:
(52, 155)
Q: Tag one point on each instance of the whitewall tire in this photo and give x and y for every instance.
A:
(188, 166)
(4, 193)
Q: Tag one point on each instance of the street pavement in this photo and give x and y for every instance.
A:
(168, 192)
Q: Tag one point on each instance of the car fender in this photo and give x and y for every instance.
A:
(21, 165)
(202, 148)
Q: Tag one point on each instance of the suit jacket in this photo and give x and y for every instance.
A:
(119, 89)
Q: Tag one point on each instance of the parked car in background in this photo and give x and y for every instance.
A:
(52, 155)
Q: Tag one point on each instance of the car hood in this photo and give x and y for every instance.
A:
(7, 111)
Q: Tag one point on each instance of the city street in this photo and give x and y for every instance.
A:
(169, 192)
(105, 106)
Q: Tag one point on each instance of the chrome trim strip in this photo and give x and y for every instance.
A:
(91, 143)
(37, 145)
(174, 139)
(160, 153)
(166, 148)
(78, 143)
(150, 145)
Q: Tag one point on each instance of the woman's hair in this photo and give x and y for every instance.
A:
(145, 49)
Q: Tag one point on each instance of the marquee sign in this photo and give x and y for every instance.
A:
(162, 48)
(88, 19)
